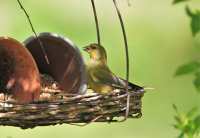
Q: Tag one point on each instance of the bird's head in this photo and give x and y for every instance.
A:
(96, 52)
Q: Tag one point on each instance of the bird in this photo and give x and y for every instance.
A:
(100, 78)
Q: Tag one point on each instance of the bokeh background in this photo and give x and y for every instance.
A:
(160, 40)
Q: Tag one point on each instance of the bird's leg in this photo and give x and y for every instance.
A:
(5, 98)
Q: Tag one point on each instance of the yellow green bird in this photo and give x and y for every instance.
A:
(100, 78)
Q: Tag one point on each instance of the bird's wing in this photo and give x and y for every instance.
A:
(102, 75)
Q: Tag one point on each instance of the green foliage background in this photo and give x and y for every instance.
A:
(160, 41)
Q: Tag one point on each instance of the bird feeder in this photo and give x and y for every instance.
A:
(58, 94)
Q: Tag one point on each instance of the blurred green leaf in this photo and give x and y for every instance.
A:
(197, 120)
(177, 126)
(195, 20)
(187, 68)
(179, 121)
(188, 123)
(189, 11)
(175, 108)
(196, 83)
(179, 1)
(182, 121)
(197, 73)
(181, 135)
(192, 112)
(188, 130)
(197, 125)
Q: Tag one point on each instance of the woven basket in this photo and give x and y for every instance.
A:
(55, 107)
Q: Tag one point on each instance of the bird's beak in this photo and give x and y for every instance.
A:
(86, 48)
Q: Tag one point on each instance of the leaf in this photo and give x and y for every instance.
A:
(190, 129)
(196, 83)
(187, 68)
(179, 1)
(195, 20)
(177, 126)
(192, 112)
(175, 108)
(197, 124)
(195, 24)
(188, 124)
(197, 120)
(197, 74)
(181, 135)
(178, 120)
(189, 11)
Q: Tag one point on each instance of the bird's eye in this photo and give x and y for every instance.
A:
(93, 47)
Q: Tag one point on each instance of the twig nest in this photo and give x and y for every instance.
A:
(66, 65)
(19, 75)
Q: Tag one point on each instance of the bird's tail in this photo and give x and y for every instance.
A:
(131, 86)
(135, 87)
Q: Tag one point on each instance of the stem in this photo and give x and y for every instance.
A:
(33, 30)
(96, 22)
(127, 55)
